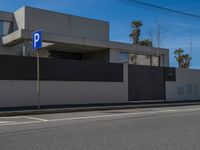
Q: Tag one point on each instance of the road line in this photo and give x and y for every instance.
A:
(10, 117)
(34, 118)
(3, 122)
(111, 115)
(125, 114)
(21, 123)
(101, 116)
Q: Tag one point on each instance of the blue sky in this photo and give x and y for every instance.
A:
(179, 29)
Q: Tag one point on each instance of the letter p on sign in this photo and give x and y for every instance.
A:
(37, 39)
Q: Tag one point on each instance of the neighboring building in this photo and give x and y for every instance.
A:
(70, 37)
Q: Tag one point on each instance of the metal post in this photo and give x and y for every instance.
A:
(38, 78)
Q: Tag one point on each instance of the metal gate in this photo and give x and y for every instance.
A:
(146, 83)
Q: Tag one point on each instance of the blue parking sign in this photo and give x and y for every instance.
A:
(37, 39)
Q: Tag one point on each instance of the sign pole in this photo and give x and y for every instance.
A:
(37, 45)
(38, 78)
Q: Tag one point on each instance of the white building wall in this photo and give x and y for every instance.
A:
(17, 93)
(23, 93)
(186, 86)
(54, 93)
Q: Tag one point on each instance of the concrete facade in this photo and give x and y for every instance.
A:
(20, 93)
(59, 23)
(60, 93)
(186, 87)
(67, 33)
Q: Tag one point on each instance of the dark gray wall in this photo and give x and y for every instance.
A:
(24, 68)
(146, 83)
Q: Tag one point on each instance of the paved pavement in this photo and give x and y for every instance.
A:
(166, 128)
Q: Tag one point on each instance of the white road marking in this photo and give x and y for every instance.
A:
(99, 116)
(21, 123)
(34, 118)
(112, 115)
(10, 117)
(2, 122)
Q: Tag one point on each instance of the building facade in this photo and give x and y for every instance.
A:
(86, 81)
(70, 37)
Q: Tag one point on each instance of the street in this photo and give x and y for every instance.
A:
(167, 128)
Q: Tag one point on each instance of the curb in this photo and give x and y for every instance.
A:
(94, 108)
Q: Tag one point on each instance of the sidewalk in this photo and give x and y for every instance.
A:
(81, 108)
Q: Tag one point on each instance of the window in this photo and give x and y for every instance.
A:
(5, 28)
(140, 59)
(124, 57)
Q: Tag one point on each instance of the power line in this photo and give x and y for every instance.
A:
(164, 9)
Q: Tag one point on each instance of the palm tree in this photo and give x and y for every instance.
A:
(187, 59)
(146, 42)
(182, 59)
(179, 56)
(135, 35)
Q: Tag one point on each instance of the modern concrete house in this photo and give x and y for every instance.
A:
(80, 65)
(70, 37)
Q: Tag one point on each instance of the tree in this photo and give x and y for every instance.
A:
(146, 42)
(182, 59)
(157, 33)
(135, 34)
(160, 32)
(187, 59)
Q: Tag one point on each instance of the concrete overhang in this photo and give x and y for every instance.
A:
(19, 35)
(12, 38)
(63, 40)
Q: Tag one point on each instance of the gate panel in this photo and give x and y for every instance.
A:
(146, 83)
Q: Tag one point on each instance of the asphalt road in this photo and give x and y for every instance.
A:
(173, 128)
